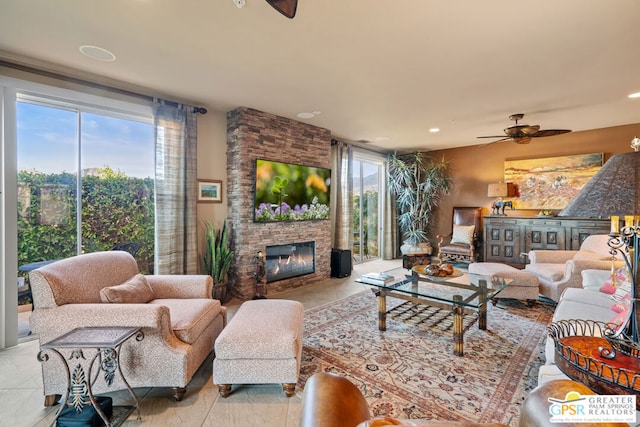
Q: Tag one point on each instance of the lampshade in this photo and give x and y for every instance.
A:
(500, 189)
(613, 190)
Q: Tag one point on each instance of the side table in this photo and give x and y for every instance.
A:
(106, 341)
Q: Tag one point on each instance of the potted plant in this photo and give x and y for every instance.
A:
(417, 184)
(217, 258)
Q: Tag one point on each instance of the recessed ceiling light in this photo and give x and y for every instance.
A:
(97, 53)
(635, 95)
(305, 115)
(434, 130)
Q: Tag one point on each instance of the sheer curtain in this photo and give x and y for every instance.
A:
(342, 195)
(176, 190)
(390, 240)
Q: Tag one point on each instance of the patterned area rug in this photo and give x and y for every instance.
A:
(407, 372)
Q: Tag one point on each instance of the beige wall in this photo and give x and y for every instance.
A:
(212, 163)
(474, 168)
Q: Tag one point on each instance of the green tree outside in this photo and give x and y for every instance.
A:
(116, 209)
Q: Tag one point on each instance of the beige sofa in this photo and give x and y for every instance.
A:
(588, 302)
(559, 270)
(178, 317)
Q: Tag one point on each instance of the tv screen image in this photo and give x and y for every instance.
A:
(289, 192)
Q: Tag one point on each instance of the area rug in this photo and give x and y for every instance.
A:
(407, 372)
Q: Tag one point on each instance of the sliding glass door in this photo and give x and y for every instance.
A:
(85, 182)
(367, 173)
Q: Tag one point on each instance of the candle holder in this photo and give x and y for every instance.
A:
(625, 339)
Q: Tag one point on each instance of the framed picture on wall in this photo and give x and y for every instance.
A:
(209, 191)
(550, 182)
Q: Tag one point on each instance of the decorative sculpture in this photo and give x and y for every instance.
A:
(259, 274)
(497, 207)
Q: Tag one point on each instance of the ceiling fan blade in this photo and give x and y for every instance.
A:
(494, 136)
(549, 132)
(285, 7)
(502, 139)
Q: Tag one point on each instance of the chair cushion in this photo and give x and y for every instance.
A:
(190, 317)
(463, 234)
(135, 290)
(588, 298)
(457, 249)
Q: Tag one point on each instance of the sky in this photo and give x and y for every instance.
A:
(47, 142)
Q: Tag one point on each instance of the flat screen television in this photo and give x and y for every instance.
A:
(290, 192)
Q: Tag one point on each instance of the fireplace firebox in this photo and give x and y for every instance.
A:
(292, 260)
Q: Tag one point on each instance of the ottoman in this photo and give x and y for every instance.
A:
(262, 344)
(524, 285)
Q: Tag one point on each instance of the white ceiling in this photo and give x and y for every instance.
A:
(373, 68)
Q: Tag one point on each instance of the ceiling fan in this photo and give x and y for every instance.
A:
(522, 134)
(285, 7)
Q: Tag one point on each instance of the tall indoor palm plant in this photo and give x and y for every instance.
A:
(417, 183)
(217, 258)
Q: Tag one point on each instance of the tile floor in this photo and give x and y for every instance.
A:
(21, 399)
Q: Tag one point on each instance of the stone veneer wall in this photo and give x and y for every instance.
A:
(252, 135)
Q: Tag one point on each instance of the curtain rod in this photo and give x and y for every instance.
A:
(51, 74)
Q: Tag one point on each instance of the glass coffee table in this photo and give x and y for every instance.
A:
(447, 304)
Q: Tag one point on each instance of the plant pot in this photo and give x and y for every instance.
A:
(423, 248)
(221, 292)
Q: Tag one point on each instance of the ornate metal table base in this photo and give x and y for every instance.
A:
(106, 342)
(428, 313)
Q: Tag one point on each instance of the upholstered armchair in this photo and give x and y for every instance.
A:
(558, 270)
(464, 242)
(178, 317)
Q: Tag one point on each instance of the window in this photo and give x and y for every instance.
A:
(85, 180)
(367, 173)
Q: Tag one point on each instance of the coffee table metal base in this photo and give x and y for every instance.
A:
(460, 318)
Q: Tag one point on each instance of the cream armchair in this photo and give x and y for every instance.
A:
(178, 317)
(558, 270)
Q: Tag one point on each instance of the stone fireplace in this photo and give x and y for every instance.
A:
(286, 261)
(253, 134)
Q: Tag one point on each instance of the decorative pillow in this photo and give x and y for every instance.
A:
(134, 290)
(463, 234)
(622, 308)
(618, 284)
(594, 279)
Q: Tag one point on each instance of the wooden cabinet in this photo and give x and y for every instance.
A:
(506, 238)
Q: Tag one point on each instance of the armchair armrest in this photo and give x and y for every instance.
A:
(550, 256)
(441, 238)
(573, 272)
(181, 286)
(51, 322)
